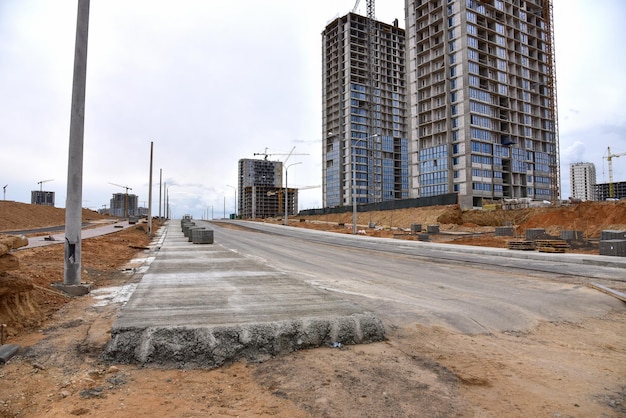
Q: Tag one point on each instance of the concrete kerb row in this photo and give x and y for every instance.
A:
(206, 347)
(196, 234)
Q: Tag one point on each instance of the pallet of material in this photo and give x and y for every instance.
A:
(521, 245)
(551, 245)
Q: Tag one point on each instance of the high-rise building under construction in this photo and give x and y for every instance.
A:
(482, 99)
(365, 153)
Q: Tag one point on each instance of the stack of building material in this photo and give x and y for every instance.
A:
(504, 231)
(185, 225)
(535, 233)
(551, 245)
(202, 236)
(190, 230)
(432, 229)
(523, 245)
(570, 235)
(613, 243)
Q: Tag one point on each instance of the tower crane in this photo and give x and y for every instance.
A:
(370, 8)
(609, 158)
(40, 183)
(266, 154)
(125, 199)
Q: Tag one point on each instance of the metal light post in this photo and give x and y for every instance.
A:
(167, 201)
(287, 194)
(235, 189)
(150, 193)
(354, 181)
(160, 192)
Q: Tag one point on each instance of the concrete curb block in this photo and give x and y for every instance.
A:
(206, 347)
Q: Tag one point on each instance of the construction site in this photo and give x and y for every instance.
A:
(508, 302)
(58, 370)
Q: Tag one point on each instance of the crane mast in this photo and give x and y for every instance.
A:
(609, 159)
(371, 86)
(555, 172)
(125, 198)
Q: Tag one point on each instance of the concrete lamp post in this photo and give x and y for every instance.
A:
(354, 231)
(167, 201)
(287, 194)
(235, 189)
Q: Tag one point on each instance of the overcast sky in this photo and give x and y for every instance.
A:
(211, 82)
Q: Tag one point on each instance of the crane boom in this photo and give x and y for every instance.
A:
(123, 187)
(40, 183)
(266, 154)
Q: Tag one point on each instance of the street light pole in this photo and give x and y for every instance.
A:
(354, 182)
(73, 203)
(287, 193)
(235, 189)
(166, 209)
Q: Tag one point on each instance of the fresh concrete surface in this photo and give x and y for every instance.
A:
(201, 305)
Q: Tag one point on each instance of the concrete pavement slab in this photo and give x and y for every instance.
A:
(202, 305)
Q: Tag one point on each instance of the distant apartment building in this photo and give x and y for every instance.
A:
(582, 180)
(124, 205)
(482, 101)
(364, 94)
(41, 197)
(608, 191)
(261, 191)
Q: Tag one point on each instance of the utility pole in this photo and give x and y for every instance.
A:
(150, 194)
(160, 188)
(73, 205)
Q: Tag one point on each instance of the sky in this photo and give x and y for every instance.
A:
(211, 82)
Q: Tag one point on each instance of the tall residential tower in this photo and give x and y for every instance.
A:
(365, 155)
(261, 191)
(582, 180)
(482, 99)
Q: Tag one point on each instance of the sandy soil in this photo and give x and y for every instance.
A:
(555, 370)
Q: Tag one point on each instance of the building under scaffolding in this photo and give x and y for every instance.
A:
(261, 192)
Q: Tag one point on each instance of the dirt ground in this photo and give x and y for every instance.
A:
(554, 370)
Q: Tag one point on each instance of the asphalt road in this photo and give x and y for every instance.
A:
(408, 281)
